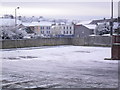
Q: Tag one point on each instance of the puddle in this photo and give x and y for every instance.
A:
(83, 51)
(20, 57)
(27, 57)
(12, 58)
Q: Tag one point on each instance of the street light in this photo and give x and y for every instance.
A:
(16, 16)
(111, 21)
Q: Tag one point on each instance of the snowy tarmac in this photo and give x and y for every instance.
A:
(59, 67)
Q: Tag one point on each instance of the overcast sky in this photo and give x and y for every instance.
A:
(69, 10)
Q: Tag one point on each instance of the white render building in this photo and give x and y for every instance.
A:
(50, 29)
(63, 30)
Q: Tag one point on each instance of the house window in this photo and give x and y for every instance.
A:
(63, 27)
(64, 32)
(70, 27)
(70, 32)
(67, 32)
(42, 32)
(41, 27)
(67, 27)
(48, 27)
(48, 32)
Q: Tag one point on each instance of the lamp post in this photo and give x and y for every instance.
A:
(111, 29)
(16, 16)
(16, 22)
(111, 22)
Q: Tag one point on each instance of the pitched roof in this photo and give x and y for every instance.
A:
(43, 23)
(84, 22)
(87, 24)
(103, 20)
(90, 26)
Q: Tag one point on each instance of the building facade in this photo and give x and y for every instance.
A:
(41, 29)
(63, 30)
(81, 31)
(45, 31)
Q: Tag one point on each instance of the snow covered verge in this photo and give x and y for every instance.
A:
(58, 67)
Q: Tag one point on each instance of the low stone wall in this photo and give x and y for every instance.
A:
(35, 42)
(89, 41)
(93, 41)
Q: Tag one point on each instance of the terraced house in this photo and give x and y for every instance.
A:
(42, 29)
(63, 30)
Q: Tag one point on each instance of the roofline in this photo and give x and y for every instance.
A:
(103, 20)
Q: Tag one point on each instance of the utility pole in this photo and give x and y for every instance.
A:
(16, 22)
(16, 16)
(111, 22)
(118, 31)
(115, 49)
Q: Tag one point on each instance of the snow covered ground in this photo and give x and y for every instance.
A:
(59, 67)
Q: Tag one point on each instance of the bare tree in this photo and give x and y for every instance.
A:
(102, 28)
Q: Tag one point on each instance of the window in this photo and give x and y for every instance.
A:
(70, 32)
(67, 27)
(42, 32)
(64, 32)
(63, 27)
(48, 32)
(70, 27)
(48, 27)
(67, 32)
(41, 28)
